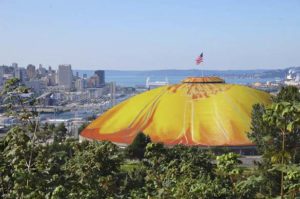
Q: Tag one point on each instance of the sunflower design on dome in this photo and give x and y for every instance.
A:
(198, 91)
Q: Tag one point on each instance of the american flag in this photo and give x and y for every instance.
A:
(199, 59)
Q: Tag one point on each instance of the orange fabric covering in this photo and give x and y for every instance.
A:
(203, 80)
(206, 114)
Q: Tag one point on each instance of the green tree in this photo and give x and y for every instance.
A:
(20, 143)
(44, 133)
(268, 138)
(138, 146)
(228, 165)
(93, 171)
(182, 172)
(286, 117)
(60, 133)
(288, 94)
(261, 133)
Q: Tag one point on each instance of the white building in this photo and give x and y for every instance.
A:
(155, 84)
(65, 76)
(293, 77)
(80, 84)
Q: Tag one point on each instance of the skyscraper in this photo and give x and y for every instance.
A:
(1, 74)
(101, 77)
(31, 73)
(65, 76)
(15, 65)
(42, 71)
(16, 70)
(113, 93)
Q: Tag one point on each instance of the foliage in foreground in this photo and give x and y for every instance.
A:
(276, 132)
(65, 168)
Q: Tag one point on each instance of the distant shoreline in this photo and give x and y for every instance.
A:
(169, 70)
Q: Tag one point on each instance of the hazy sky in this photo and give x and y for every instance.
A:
(151, 34)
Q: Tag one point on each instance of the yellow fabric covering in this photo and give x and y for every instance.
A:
(197, 112)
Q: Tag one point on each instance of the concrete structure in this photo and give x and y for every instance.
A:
(65, 76)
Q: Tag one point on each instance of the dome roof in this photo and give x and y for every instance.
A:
(199, 111)
(203, 80)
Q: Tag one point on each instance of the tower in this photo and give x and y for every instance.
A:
(65, 76)
(101, 77)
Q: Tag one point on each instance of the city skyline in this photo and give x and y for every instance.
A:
(150, 35)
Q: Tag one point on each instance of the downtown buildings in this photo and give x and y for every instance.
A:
(42, 80)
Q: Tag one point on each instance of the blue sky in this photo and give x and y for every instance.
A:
(151, 34)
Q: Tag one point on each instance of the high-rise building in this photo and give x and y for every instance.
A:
(16, 70)
(101, 77)
(65, 76)
(23, 74)
(15, 65)
(80, 84)
(113, 93)
(17, 73)
(1, 74)
(20, 73)
(93, 82)
(31, 73)
(42, 71)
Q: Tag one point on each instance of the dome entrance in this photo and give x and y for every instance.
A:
(203, 80)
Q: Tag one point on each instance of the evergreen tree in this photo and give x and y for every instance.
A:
(288, 94)
(137, 148)
(60, 133)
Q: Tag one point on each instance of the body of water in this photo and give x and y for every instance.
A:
(138, 78)
(68, 115)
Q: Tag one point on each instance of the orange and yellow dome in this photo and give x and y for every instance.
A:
(200, 111)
